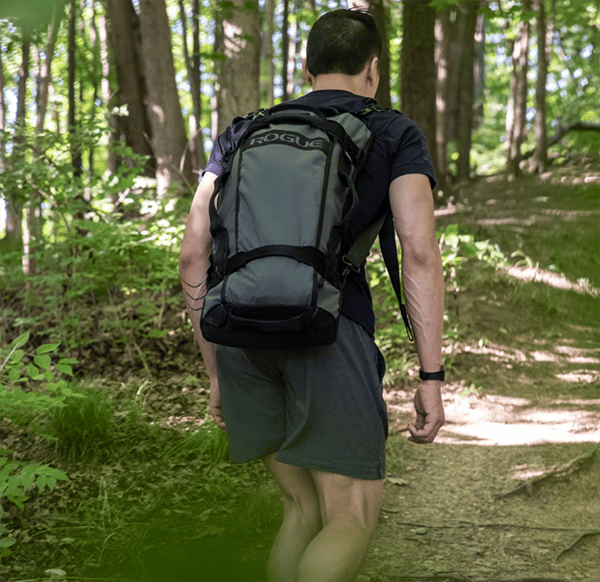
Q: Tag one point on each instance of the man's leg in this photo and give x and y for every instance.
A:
(350, 511)
(301, 518)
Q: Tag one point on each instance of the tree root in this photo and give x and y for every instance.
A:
(557, 472)
(581, 537)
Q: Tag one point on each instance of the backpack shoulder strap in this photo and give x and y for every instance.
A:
(359, 251)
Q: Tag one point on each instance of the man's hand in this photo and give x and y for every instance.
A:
(430, 412)
(214, 407)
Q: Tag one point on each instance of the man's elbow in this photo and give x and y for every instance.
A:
(185, 262)
(428, 258)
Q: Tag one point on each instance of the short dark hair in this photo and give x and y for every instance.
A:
(342, 41)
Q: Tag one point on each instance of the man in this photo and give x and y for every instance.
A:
(316, 416)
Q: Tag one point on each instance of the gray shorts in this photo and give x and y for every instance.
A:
(320, 407)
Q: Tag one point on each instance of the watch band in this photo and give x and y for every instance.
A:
(433, 375)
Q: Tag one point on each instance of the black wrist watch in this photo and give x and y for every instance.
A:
(433, 375)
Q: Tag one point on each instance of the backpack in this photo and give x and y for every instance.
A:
(279, 215)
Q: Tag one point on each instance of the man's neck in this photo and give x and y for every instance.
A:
(338, 82)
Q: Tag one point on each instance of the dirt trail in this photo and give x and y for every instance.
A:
(451, 516)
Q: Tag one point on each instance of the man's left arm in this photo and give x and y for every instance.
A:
(194, 261)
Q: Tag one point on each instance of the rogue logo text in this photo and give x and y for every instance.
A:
(286, 137)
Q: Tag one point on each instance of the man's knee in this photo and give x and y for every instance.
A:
(348, 498)
(297, 487)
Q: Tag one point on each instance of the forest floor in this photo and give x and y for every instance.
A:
(510, 490)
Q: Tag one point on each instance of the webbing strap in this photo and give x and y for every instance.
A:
(309, 255)
(359, 251)
(387, 242)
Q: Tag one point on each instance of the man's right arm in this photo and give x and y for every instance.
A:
(423, 280)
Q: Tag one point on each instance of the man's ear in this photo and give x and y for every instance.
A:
(307, 76)
(373, 71)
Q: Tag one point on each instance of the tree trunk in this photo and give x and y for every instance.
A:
(169, 139)
(443, 36)
(2, 118)
(13, 236)
(240, 74)
(517, 103)
(197, 73)
(377, 10)
(467, 11)
(268, 48)
(193, 72)
(112, 163)
(76, 159)
(124, 35)
(285, 49)
(96, 77)
(540, 155)
(479, 72)
(291, 60)
(418, 74)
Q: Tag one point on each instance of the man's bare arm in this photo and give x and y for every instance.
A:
(193, 266)
(423, 279)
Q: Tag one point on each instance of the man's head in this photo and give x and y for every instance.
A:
(344, 42)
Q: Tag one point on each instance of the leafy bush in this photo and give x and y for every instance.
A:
(30, 406)
(103, 268)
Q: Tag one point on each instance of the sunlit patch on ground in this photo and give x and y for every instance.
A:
(500, 420)
(579, 377)
(533, 273)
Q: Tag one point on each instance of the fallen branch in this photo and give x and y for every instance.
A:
(463, 524)
(581, 537)
(560, 471)
(562, 130)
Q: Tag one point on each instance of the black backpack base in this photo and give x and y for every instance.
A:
(269, 327)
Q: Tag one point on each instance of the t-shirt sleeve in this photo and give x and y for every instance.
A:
(410, 152)
(225, 145)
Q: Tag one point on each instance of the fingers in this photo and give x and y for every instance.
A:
(429, 413)
(217, 416)
(424, 434)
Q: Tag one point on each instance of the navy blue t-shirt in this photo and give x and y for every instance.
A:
(399, 148)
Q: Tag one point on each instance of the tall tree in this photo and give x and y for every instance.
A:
(107, 93)
(443, 61)
(169, 138)
(124, 34)
(2, 117)
(197, 72)
(468, 14)
(192, 63)
(540, 153)
(239, 74)
(418, 74)
(13, 235)
(285, 49)
(479, 72)
(517, 102)
(291, 58)
(268, 50)
(76, 159)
